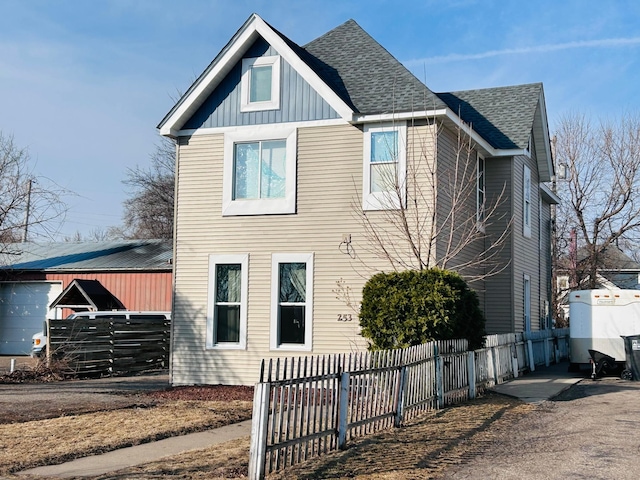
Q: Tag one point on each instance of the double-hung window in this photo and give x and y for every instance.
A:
(526, 202)
(481, 193)
(260, 84)
(227, 311)
(291, 301)
(259, 171)
(384, 166)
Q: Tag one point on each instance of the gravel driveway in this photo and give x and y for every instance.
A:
(588, 432)
(37, 401)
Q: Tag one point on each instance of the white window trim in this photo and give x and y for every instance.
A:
(276, 260)
(526, 202)
(261, 206)
(247, 63)
(384, 200)
(481, 212)
(214, 260)
(526, 302)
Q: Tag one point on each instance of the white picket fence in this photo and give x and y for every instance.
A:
(307, 406)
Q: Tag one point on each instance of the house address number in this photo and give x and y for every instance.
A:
(345, 317)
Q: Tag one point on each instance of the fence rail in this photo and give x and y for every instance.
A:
(307, 406)
(110, 345)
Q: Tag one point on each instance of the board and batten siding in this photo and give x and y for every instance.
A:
(499, 295)
(222, 108)
(329, 187)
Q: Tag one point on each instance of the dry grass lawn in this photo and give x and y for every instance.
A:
(423, 449)
(45, 442)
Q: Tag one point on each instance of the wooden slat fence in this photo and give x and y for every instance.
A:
(307, 406)
(110, 345)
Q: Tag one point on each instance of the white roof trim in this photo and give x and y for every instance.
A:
(451, 116)
(244, 38)
(550, 194)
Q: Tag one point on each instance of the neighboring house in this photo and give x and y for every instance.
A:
(616, 271)
(33, 276)
(277, 154)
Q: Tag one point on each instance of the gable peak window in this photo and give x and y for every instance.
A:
(260, 84)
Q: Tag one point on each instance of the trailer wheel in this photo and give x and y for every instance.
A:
(626, 374)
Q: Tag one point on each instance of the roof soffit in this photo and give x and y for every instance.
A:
(253, 28)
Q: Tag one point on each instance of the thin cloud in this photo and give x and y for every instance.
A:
(457, 57)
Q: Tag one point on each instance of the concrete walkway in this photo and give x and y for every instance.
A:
(139, 454)
(542, 384)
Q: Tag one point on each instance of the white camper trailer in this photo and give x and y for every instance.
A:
(598, 319)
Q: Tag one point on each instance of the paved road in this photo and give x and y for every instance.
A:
(591, 431)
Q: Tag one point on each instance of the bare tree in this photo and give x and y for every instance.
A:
(439, 215)
(600, 202)
(148, 213)
(30, 206)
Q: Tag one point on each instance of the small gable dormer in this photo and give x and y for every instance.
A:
(257, 78)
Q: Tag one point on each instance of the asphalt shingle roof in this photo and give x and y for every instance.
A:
(503, 115)
(365, 75)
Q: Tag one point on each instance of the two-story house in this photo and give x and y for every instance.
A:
(292, 162)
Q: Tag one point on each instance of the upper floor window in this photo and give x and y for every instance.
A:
(384, 166)
(481, 191)
(260, 84)
(526, 202)
(259, 171)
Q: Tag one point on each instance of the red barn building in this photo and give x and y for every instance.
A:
(137, 272)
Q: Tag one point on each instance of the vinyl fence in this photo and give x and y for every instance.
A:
(110, 345)
(307, 406)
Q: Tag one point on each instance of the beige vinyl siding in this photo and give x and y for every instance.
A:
(499, 297)
(328, 189)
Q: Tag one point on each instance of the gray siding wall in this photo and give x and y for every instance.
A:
(298, 100)
(499, 297)
(545, 262)
(457, 210)
(526, 258)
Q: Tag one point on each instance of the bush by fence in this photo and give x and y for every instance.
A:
(307, 406)
(110, 345)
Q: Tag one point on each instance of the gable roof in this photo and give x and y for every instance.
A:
(358, 77)
(87, 294)
(141, 255)
(253, 28)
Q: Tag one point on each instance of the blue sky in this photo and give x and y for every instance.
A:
(83, 83)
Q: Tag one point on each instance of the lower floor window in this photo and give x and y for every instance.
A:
(227, 317)
(291, 300)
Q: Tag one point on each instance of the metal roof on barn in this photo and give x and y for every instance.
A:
(122, 255)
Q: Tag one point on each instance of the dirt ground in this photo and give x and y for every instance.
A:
(587, 432)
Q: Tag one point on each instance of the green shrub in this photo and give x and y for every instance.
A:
(402, 309)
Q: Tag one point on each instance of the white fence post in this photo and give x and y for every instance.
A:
(439, 380)
(547, 353)
(344, 408)
(400, 398)
(471, 367)
(532, 361)
(258, 447)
